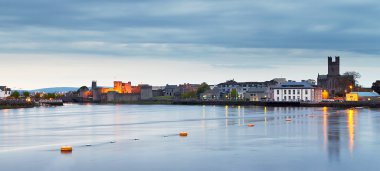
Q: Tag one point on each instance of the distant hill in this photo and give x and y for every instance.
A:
(55, 89)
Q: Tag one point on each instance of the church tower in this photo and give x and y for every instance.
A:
(334, 66)
(93, 85)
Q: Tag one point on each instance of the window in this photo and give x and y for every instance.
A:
(294, 91)
(290, 91)
(290, 97)
(306, 99)
(285, 98)
(284, 91)
(278, 91)
(294, 97)
(306, 91)
(278, 98)
(298, 91)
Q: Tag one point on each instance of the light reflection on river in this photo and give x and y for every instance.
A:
(219, 138)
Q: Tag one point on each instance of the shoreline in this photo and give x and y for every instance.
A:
(249, 103)
(223, 103)
(16, 107)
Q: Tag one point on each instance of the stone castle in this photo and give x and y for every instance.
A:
(119, 93)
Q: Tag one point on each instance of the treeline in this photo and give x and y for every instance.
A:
(26, 94)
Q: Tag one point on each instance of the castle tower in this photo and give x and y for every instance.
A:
(93, 85)
(117, 86)
(334, 66)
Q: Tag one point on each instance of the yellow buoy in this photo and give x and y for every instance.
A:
(251, 125)
(66, 149)
(183, 134)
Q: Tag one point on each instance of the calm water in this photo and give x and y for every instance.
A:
(219, 138)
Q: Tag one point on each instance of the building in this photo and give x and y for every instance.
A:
(362, 96)
(244, 89)
(213, 94)
(334, 83)
(121, 92)
(297, 91)
(5, 92)
(258, 94)
(171, 90)
(186, 87)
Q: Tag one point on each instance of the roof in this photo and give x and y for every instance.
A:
(233, 82)
(366, 94)
(171, 86)
(3, 88)
(294, 85)
(257, 90)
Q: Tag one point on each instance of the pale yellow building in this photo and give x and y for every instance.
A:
(362, 96)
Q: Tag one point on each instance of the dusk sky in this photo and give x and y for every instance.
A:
(56, 43)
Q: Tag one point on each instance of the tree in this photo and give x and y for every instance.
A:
(26, 94)
(189, 95)
(83, 88)
(234, 94)
(49, 96)
(202, 88)
(355, 74)
(376, 86)
(15, 94)
(37, 95)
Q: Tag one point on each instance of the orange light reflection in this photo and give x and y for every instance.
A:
(351, 129)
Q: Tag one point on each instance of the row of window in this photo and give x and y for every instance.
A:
(294, 91)
(290, 98)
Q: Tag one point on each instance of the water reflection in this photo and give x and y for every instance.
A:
(239, 115)
(226, 115)
(351, 129)
(314, 138)
(333, 124)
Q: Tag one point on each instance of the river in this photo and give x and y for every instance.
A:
(145, 137)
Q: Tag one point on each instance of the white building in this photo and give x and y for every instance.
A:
(297, 91)
(4, 92)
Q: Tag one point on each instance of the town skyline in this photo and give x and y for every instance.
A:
(63, 76)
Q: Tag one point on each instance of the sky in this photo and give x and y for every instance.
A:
(69, 43)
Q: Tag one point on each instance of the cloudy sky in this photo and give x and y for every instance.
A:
(49, 43)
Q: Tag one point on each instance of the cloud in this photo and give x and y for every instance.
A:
(226, 34)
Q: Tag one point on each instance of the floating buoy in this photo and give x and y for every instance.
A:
(88, 145)
(112, 142)
(288, 119)
(251, 125)
(66, 149)
(183, 134)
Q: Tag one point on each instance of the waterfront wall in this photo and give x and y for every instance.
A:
(283, 104)
(113, 97)
(11, 104)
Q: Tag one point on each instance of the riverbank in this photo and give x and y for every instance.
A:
(16, 104)
(259, 103)
(284, 104)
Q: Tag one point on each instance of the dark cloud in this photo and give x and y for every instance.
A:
(332, 25)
